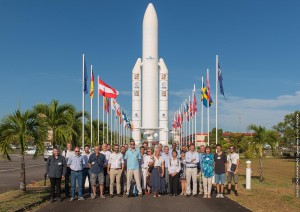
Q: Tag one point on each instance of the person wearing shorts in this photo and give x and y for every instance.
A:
(96, 164)
(220, 160)
(233, 162)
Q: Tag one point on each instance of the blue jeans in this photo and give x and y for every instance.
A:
(86, 174)
(220, 179)
(76, 175)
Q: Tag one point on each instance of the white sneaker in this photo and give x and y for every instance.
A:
(218, 196)
(221, 196)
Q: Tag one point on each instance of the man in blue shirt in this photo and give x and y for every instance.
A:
(133, 158)
(76, 164)
(96, 164)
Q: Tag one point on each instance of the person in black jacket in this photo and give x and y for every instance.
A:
(56, 169)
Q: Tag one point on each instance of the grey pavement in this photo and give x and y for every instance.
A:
(10, 172)
(145, 204)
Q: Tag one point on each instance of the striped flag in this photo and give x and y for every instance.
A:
(92, 86)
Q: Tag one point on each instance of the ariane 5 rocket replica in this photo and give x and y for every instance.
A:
(150, 87)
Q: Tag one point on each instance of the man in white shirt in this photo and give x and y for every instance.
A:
(106, 153)
(166, 157)
(233, 162)
(192, 159)
(115, 169)
(68, 153)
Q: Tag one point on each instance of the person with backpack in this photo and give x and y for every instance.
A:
(133, 157)
(174, 170)
(233, 162)
(207, 170)
(56, 169)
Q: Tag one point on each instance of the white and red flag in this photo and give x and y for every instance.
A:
(106, 90)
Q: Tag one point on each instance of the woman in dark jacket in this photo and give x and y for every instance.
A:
(56, 168)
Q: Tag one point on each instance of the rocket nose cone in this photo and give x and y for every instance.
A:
(150, 14)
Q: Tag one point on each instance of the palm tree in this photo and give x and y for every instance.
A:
(21, 127)
(58, 119)
(261, 137)
(236, 140)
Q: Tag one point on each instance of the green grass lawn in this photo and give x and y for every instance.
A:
(275, 193)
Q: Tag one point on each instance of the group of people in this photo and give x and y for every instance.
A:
(136, 172)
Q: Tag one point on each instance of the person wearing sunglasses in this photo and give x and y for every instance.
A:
(233, 162)
(133, 158)
(76, 164)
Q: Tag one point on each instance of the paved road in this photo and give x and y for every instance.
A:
(146, 204)
(10, 172)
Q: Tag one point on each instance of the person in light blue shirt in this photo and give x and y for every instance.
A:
(192, 159)
(76, 164)
(133, 157)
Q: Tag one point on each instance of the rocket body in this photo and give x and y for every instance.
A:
(150, 108)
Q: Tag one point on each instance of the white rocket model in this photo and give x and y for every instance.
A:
(149, 116)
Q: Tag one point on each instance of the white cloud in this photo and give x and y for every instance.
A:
(125, 93)
(239, 112)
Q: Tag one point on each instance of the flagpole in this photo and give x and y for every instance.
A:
(98, 112)
(91, 109)
(115, 134)
(192, 121)
(208, 99)
(202, 119)
(195, 105)
(217, 62)
(103, 134)
(181, 131)
(107, 123)
(111, 124)
(186, 124)
(83, 82)
(189, 113)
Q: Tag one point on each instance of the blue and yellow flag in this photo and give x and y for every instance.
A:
(204, 97)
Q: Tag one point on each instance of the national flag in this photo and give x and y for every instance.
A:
(115, 107)
(106, 90)
(220, 79)
(191, 109)
(194, 102)
(106, 104)
(92, 86)
(207, 87)
(187, 111)
(174, 123)
(205, 96)
(85, 78)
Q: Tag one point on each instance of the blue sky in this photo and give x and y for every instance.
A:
(41, 46)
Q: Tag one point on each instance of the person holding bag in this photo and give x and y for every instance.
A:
(233, 162)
